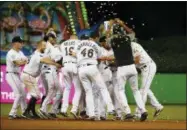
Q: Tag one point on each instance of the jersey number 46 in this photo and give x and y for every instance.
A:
(87, 52)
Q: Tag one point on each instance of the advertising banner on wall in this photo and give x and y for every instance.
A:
(7, 95)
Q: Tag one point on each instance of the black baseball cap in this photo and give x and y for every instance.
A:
(117, 29)
(17, 39)
(102, 39)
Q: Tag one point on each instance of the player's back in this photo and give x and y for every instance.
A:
(67, 48)
(33, 67)
(138, 50)
(54, 53)
(122, 50)
(87, 52)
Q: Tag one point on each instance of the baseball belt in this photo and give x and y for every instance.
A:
(12, 72)
(83, 65)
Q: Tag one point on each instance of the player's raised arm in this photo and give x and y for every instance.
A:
(127, 29)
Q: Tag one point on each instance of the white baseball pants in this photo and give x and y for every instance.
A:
(53, 86)
(147, 74)
(90, 75)
(71, 76)
(17, 86)
(125, 73)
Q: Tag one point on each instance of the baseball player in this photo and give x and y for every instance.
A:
(126, 69)
(148, 69)
(55, 109)
(100, 106)
(50, 38)
(109, 74)
(105, 31)
(70, 74)
(87, 53)
(51, 72)
(30, 72)
(140, 55)
(14, 59)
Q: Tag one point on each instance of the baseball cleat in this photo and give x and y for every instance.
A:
(144, 116)
(83, 115)
(118, 118)
(53, 115)
(64, 114)
(11, 117)
(129, 117)
(92, 118)
(112, 113)
(35, 116)
(26, 115)
(42, 114)
(18, 117)
(103, 118)
(157, 112)
(75, 115)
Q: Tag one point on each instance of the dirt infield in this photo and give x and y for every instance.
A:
(21, 124)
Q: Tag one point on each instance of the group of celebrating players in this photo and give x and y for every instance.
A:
(97, 66)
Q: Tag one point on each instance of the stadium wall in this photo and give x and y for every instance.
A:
(168, 88)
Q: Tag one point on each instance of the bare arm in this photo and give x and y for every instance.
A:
(127, 29)
(47, 60)
(111, 58)
(103, 58)
(137, 59)
(20, 62)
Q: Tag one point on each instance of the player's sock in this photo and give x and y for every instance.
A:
(60, 105)
(43, 98)
(33, 105)
(28, 106)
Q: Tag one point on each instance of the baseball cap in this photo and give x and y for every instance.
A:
(102, 39)
(84, 37)
(51, 34)
(117, 29)
(17, 39)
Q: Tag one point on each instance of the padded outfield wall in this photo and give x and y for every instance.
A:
(168, 88)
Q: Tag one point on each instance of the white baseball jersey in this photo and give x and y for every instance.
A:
(103, 64)
(54, 53)
(66, 48)
(33, 67)
(88, 52)
(12, 56)
(132, 36)
(139, 51)
(111, 53)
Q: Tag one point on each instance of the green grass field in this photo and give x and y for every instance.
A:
(170, 112)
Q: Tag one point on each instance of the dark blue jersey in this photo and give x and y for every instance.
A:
(121, 45)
